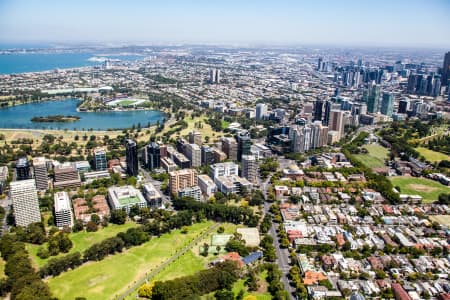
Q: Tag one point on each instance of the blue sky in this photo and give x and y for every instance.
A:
(421, 23)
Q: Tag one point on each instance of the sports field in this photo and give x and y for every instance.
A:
(431, 155)
(424, 187)
(82, 240)
(375, 158)
(113, 275)
(126, 102)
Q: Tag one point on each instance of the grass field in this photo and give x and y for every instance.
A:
(441, 219)
(82, 240)
(113, 275)
(126, 102)
(2, 268)
(426, 188)
(206, 129)
(376, 156)
(431, 155)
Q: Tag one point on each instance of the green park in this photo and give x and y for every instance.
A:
(427, 188)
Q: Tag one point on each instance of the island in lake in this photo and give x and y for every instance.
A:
(57, 118)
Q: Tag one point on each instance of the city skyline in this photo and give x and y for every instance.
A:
(399, 24)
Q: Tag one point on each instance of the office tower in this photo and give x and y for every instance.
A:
(403, 106)
(230, 147)
(307, 138)
(297, 137)
(66, 175)
(212, 76)
(181, 145)
(207, 155)
(326, 116)
(195, 137)
(25, 202)
(318, 110)
(261, 111)
(23, 169)
(219, 155)
(387, 104)
(217, 76)
(244, 144)
(40, 173)
(131, 158)
(182, 179)
(194, 154)
(446, 69)
(337, 122)
(250, 168)
(319, 64)
(319, 135)
(152, 156)
(223, 169)
(436, 88)
(373, 99)
(63, 210)
(100, 161)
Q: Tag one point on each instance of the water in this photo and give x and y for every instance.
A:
(34, 62)
(20, 116)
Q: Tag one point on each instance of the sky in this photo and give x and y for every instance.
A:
(409, 23)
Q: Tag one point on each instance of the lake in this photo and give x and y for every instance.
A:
(20, 116)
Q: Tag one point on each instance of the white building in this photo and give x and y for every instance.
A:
(125, 197)
(261, 111)
(250, 168)
(152, 195)
(40, 173)
(25, 202)
(207, 185)
(192, 192)
(63, 210)
(223, 169)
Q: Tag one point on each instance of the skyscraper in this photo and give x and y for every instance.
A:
(403, 106)
(194, 154)
(23, 169)
(131, 157)
(244, 144)
(261, 111)
(337, 122)
(250, 168)
(100, 159)
(195, 137)
(326, 117)
(152, 156)
(446, 69)
(40, 173)
(387, 104)
(318, 110)
(373, 98)
(25, 202)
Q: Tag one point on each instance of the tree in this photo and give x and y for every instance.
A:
(145, 291)
(224, 295)
(78, 226)
(118, 216)
(91, 226)
(95, 218)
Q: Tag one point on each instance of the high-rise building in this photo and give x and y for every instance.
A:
(319, 135)
(403, 106)
(23, 169)
(194, 154)
(195, 137)
(373, 99)
(446, 70)
(244, 144)
(100, 161)
(3, 177)
(318, 110)
(387, 104)
(337, 122)
(132, 158)
(326, 116)
(25, 202)
(261, 111)
(250, 168)
(182, 179)
(230, 147)
(63, 210)
(152, 156)
(66, 175)
(296, 134)
(212, 76)
(207, 155)
(40, 173)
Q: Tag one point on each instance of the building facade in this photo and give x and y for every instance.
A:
(25, 202)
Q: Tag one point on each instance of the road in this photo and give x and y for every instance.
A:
(282, 254)
(178, 254)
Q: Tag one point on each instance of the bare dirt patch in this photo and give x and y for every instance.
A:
(421, 187)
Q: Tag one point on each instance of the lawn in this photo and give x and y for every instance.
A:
(82, 240)
(426, 188)
(441, 219)
(431, 155)
(376, 156)
(206, 129)
(126, 102)
(113, 275)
